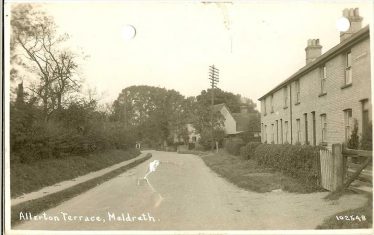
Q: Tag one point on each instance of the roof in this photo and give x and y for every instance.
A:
(357, 37)
(243, 121)
(218, 107)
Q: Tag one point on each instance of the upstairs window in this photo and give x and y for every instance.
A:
(348, 68)
(271, 104)
(285, 97)
(297, 87)
(323, 79)
(264, 106)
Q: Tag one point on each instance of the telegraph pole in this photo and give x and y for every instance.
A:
(214, 79)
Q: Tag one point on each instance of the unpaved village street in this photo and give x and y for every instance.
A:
(188, 196)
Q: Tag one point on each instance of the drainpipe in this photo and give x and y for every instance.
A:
(291, 110)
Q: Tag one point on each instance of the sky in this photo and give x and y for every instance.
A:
(256, 45)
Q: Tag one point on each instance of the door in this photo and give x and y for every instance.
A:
(314, 128)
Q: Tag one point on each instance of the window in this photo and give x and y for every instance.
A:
(264, 106)
(285, 97)
(272, 133)
(281, 134)
(324, 127)
(323, 79)
(306, 128)
(298, 130)
(348, 68)
(297, 87)
(347, 124)
(286, 130)
(271, 104)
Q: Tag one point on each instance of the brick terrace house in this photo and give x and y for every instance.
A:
(319, 103)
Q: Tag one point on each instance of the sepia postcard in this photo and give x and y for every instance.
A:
(188, 117)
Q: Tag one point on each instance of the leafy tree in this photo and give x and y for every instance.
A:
(232, 101)
(158, 114)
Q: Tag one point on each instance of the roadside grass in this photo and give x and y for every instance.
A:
(249, 175)
(367, 210)
(42, 204)
(29, 177)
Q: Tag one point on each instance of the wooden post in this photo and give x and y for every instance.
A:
(338, 166)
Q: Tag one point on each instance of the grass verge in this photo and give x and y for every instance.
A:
(41, 204)
(333, 222)
(29, 177)
(249, 175)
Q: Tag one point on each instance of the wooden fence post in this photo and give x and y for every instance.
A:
(338, 170)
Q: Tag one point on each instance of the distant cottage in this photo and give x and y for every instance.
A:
(238, 123)
(320, 103)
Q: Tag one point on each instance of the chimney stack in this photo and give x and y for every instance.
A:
(313, 50)
(355, 20)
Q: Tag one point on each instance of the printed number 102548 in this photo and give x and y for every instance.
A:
(351, 217)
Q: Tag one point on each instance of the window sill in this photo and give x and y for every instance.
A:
(297, 103)
(322, 94)
(285, 107)
(346, 85)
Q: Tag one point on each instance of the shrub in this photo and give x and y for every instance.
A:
(247, 151)
(233, 145)
(298, 161)
(354, 142)
(367, 138)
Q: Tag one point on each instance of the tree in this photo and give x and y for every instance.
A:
(232, 101)
(158, 114)
(36, 46)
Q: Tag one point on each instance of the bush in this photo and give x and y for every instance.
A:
(367, 138)
(233, 145)
(247, 151)
(298, 161)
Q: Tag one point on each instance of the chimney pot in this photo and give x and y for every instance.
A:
(313, 50)
(355, 20)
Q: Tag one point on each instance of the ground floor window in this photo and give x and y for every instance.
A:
(347, 124)
(324, 127)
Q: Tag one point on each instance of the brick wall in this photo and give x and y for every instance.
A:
(333, 103)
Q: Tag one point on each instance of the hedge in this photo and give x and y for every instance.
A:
(233, 145)
(298, 161)
(248, 151)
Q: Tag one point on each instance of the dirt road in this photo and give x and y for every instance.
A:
(188, 196)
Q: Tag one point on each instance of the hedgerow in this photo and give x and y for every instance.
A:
(247, 151)
(233, 145)
(298, 161)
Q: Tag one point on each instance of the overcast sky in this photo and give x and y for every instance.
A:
(255, 45)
